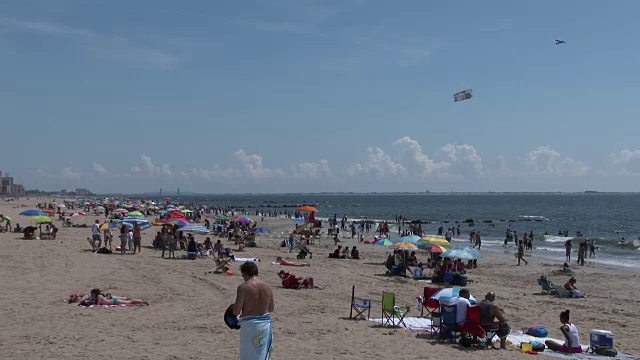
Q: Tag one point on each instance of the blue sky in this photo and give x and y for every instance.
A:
(349, 95)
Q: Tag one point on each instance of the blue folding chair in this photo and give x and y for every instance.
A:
(449, 329)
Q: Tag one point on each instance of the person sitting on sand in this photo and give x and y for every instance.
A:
(567, 269)
(284, 262)
(571, 287)
(346, 254)
(570, 332)
(355, 254)
(290, 281)
(336, 253)
(96, 298)
(489, 312)
(218, 248)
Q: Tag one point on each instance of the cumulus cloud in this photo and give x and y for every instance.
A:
(98, 168)
(71, 173)
(307, 170)
(464, 159)
(547, 161)
(410, 149)
(253, 167)
(626, 160)
(147, 167)
(215, 173)
(378, 164)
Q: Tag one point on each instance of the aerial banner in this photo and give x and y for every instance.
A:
(463, 95)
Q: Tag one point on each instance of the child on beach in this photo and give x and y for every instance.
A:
(520, 255)
(570, 332)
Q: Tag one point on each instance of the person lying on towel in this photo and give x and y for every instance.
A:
(96, 298)
(290, 281)
(284, 262)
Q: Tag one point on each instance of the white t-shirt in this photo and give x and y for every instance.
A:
(462, 304)
(573, 335)
(95, 229)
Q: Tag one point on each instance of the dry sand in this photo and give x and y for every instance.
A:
(184, 320)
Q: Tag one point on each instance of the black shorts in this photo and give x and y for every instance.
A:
(503, 330)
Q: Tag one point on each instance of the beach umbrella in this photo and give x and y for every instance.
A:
(473, 251)
(260, 231)
(40, 219)
(77, 213)
(177, 213)
(186, 211)
(33, 213)
(459, 254)
(436, 240)
(129, 221)
(404, 246)
(109, 225)
(198, 229)
(384, 242)
(308, 208)
(61, 205)
(167, 199)
(243, 219)
(177, 221)
(135, 213)
(450, 293)
(435, 248)
(222, 217)
(121, 210)
(409, 238)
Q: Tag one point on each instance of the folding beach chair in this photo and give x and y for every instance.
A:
(448, 326)
(432, 307)
(547, 286)
(474, 332)
(222, 265)
(391, 312)
(359, 305)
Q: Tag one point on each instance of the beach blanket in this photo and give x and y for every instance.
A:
(256, 338)
(246, 259)
(109, 306)
(412, 323)
(517, 337)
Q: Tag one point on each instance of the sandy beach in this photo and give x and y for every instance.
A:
(184, 319)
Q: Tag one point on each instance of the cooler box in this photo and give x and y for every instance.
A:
(601, 338)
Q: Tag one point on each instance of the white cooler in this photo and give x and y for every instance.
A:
(600, 338)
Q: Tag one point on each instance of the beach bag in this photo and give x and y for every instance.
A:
(537, 346)
(537, 331)
(604, 351)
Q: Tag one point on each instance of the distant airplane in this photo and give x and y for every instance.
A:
(558, 42)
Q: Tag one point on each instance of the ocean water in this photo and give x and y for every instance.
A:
(604, 217)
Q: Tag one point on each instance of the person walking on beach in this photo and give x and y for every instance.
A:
(254, 303)
(521, 253)
(478, 240)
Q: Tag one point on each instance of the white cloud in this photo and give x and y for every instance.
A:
(312, 169)
(378, 164)
(464, 158)
(216, 173)
(71, 173)
(411, 149)
(626, 160)
(547, 161)
(148, 168)
(253, 167)
(98, 168)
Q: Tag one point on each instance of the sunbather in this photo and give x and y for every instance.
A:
(284, 262)
(290, 281)
(96, 298)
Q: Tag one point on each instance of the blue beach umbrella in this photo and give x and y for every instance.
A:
(33, 213)
(409, 238)
(450, 293)
(473, 251)
(459, 253)
(198, 229)
(129, 221)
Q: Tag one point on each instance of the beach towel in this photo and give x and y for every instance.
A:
(237, 259)
(110, 306)
(412, 323)
(256, 338)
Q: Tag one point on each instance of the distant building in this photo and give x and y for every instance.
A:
(7, 185)
(17, 190)
(82, 192)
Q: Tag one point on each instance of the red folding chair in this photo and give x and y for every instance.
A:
(474, 332)
(432, 307)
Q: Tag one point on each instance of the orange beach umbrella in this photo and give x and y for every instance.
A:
(308, 208)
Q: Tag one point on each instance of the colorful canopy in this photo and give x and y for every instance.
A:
(135, 213)
(384, 242)
(308, 208)
(404, 246)
(33, 213)
(436, 240)
(40, 219)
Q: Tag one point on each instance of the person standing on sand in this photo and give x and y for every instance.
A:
(137, 238)
(254, 303)
(567, 247)
(521, 253)
(95, 234)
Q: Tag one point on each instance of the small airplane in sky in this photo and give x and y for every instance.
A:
(558, 42)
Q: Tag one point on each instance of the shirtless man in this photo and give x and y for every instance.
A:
(489, 312)
(254, 301)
